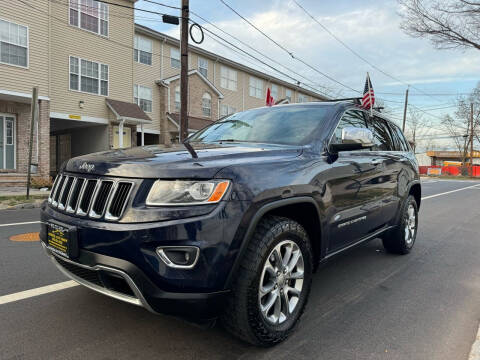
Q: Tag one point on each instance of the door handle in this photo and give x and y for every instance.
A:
(376, 162)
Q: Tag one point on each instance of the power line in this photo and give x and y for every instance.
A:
(165, 5)
(252, 48)
(356, 53)
(257, 59)
(288, 51)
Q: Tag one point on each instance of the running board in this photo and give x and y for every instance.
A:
(359, 242)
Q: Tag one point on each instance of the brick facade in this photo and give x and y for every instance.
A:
(22, 113)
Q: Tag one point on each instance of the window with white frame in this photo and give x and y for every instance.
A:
(177, 98)
(256, 87)
(288, 95)
(142, 50)
(207, 104)
(89, 15)
(88, 76)
(227, 110)
(302, 98)
(175, 58)
(142, 96)
(274, 91)
(203, 66)
(13, 44)
(228, 78)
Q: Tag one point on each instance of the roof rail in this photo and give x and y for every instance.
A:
(356, 100)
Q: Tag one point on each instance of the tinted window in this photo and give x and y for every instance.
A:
(399, 138)
(381, 134)
(351, 118)
(290, 125)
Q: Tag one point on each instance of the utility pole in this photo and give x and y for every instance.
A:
(471, 139)
(32, 126)
(184, 72)
(405, 109)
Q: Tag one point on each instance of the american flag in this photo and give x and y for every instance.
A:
(368, 99)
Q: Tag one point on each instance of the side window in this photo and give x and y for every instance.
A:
(404, 141)
(398, 138)
(381, 134)
(351, 118)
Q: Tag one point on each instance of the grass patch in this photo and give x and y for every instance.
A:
(21, 199)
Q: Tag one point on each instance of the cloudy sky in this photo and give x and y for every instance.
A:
(371, 28)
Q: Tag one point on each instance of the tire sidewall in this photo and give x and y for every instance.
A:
(404, 218)
(281, 330)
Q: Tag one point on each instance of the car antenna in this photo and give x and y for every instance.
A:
(190, 149)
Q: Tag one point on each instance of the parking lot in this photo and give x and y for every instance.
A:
(365, 304)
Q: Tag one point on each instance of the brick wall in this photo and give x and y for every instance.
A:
(22, 113)
(196, 88)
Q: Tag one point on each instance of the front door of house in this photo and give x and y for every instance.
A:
(127, 137)
(7, 142)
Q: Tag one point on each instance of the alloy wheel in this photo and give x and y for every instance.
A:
(410, 225)
(281, 282)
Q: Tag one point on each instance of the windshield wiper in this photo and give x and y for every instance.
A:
(229, 140)
(190, 149)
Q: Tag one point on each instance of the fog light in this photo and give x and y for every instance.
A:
(180, 257)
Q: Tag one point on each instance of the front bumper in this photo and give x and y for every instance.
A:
(136, 289)
(119, 260)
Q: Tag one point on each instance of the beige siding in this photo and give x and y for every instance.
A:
(146, 75)
(18, 79)
(115, 51)
(167, 69)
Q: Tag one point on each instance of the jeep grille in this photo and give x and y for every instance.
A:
(94, 198)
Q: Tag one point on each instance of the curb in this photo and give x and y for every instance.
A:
(475, 352)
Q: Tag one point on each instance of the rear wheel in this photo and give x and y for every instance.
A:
(271, 287)
(402, 238)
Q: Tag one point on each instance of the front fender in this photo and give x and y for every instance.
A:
(250, 221)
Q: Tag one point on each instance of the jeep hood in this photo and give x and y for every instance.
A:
(176, 162)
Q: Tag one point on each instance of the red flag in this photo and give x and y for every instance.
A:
(269, 100)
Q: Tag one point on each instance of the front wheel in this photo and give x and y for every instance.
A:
(401, 239)
(271, 287)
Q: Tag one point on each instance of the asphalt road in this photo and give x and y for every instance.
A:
(364, 304)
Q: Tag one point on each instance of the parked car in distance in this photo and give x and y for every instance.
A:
(234, 227)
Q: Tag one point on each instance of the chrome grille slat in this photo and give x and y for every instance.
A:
(119, 200)
(90, 197)
(72, 201)
(62, 200)
(54, 188)
(59, 190)
(88, 193)
(100, 200)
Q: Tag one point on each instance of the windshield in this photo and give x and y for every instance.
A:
(289, 125)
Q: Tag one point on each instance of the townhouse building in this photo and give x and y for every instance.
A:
(107, 83)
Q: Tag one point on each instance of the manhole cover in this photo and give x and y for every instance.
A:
(33, 236)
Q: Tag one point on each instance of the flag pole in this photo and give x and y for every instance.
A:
(370, 94)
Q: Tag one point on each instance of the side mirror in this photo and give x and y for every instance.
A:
(354, 138)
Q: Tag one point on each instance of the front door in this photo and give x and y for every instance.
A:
(7, 142)
(127, 137)
(355, 204)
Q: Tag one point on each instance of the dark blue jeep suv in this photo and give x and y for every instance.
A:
(232, 223)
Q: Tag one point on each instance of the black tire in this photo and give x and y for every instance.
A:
(396, 241)
(242, 315)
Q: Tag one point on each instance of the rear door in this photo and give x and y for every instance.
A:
(387, 159)
(353, 186)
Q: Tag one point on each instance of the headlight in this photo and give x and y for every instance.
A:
(178, 192)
